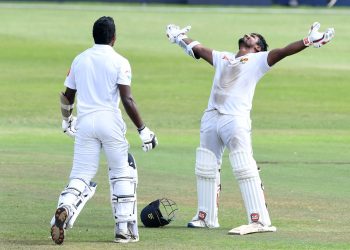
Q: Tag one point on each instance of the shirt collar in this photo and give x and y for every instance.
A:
(102, 46)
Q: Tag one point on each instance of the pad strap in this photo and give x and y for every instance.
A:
(125, 198)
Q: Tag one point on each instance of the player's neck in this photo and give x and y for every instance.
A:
(243, 51)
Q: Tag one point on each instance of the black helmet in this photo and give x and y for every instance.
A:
(152, 216)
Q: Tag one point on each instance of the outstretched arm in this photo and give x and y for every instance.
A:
(191, 47)
(201, 52)
(314, 38)
(276, 55)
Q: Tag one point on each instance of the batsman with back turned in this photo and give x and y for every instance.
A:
(101, 79)
(226, 122)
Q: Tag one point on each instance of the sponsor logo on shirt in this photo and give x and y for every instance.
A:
(244, 60)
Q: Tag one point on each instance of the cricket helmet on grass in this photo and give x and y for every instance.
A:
(158, 213)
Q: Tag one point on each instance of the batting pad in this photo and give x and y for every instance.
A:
(247, 175)
(88, 193)
(124, 200)
(74, 198)
(208, 183)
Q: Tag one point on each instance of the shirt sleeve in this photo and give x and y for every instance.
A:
(70, 79)
(264, 66)
(216, 58)
(124, 76)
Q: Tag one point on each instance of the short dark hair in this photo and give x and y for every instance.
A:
(103, 30)
(262, 42)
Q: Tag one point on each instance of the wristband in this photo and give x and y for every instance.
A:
(141, 128)
(307, 41)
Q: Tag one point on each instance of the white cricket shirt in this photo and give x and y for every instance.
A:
(95, 74)
(235, 80)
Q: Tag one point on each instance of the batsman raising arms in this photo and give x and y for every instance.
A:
(226, 121)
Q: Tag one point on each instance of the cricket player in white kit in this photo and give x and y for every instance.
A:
(101, 78)
(226, 122)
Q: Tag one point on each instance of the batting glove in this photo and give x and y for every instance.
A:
(175, 34)
(148, 138)
(68, 126)
(316, 38)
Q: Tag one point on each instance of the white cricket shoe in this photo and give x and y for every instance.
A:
(197, 224)
(123, 237)
(252, 228)
(201, 224)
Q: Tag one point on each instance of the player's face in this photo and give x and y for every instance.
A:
(249, 40)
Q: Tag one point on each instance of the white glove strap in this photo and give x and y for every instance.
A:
(188, 47)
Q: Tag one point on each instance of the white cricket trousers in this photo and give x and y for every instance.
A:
(234, 132)
(219, 131)
(95, 131)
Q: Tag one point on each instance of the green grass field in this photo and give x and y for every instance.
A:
(301, 120)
